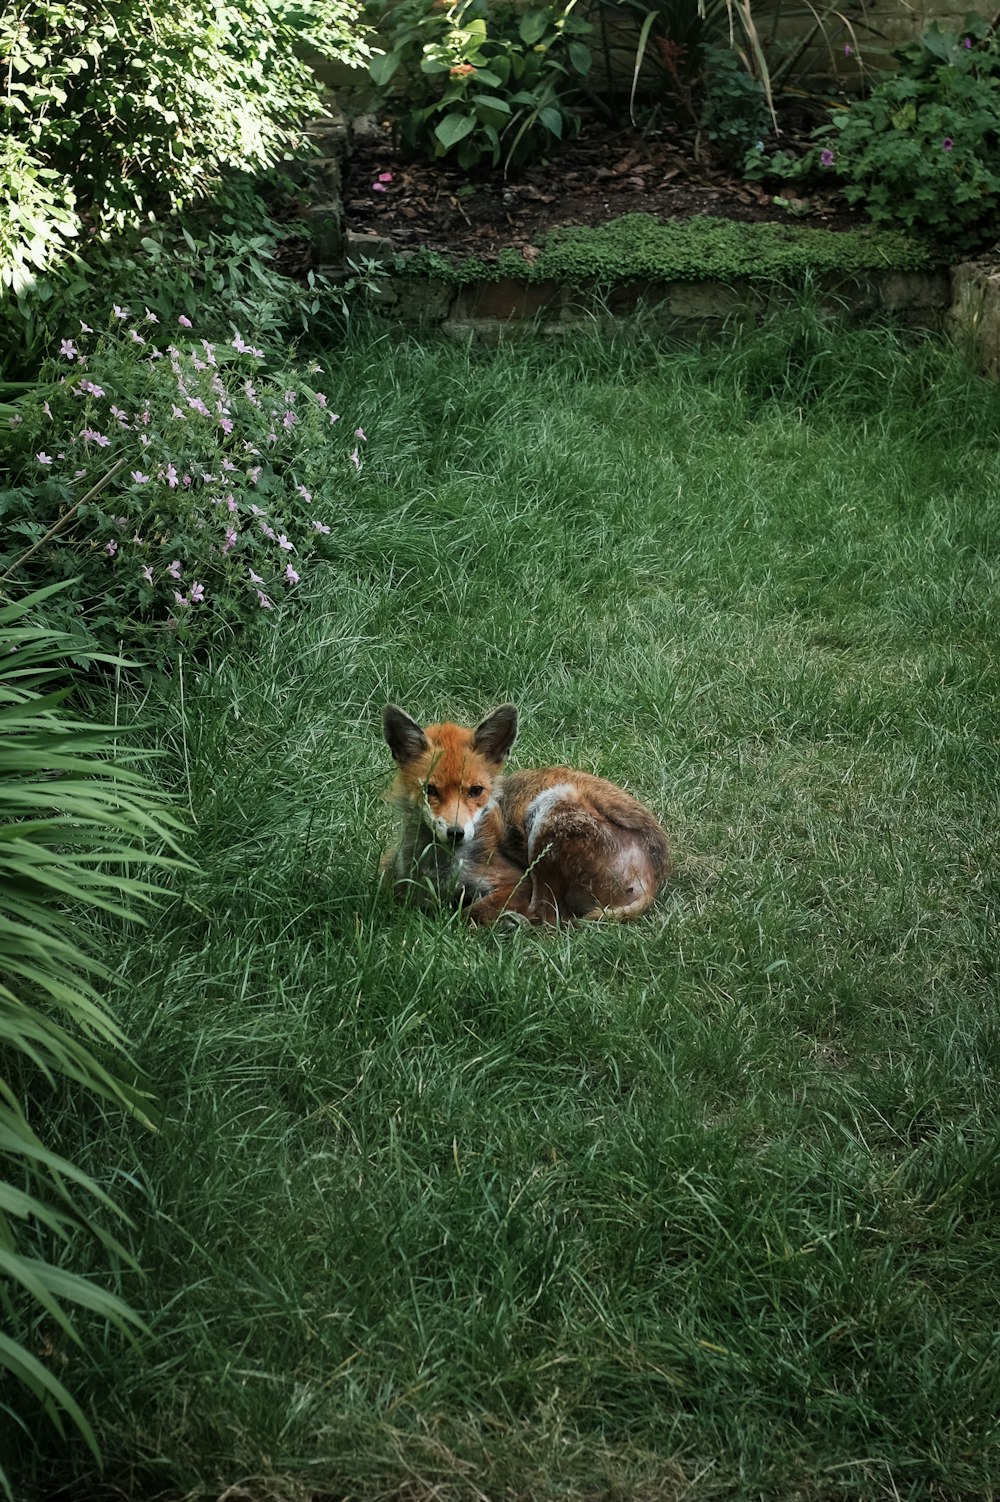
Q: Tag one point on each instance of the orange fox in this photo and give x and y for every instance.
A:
(550, 845)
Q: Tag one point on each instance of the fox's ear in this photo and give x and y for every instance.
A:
(494, 736)
(406, 739)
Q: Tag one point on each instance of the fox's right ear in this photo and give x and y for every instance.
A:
(406, 739)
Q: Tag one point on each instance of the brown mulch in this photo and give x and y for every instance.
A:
(599, 175)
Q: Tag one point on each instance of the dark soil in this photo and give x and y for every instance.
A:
(601, 174)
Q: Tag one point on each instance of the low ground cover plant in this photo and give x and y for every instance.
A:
(182, 486)
(922, 151)
(701, 1206)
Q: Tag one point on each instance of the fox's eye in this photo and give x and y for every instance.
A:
(432, 791)
(476, 792)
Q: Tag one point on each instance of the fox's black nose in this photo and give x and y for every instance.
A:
(456, 834)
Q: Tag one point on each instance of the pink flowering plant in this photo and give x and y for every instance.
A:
(185, 486)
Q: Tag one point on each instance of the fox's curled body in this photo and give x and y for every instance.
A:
(551, 845)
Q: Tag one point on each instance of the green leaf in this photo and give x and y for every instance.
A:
(533, 26)
(454, 128)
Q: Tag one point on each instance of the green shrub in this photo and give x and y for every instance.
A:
(115, 113)
(74, 827)
(222, 263)
(183, 490)
(734, 112)
(477, 81)
(922, 152)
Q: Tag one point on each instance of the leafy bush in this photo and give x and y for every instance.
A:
(223, 264)
(112, 114)
(923, 150)
(734, 112)
(479, 81)
(74, 824)
(173, 486)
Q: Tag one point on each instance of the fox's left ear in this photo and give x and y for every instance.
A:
(494, 736)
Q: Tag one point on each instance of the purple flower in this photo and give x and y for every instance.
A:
(139, 477)
(303, 492)
(44, 458)
(111, 548)
(175, 569)
(181, 599)
(120, 312)
(289, 420)
(185, 323)
(848, 49)
(136, 337)
(320, 399)
(226, 424)
(290, 398)
(284, 543)
(359, 433)
(151, 317)
(175, 411)
(147, 574)
(68, 349)
(231, 538)
(172, 476)
(826, 157)
(291, 575)
(265, 603)
(947, 144)
(255, 578)
(319, 527)
(967, 42)
(231, 504)
(90, 436)
(197, 593)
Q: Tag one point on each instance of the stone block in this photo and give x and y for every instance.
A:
(506, 300)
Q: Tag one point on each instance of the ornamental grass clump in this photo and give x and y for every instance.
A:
(184, 486)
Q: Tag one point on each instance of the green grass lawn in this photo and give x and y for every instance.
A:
(700, 1207)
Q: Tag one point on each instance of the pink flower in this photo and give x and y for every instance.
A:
(181, 599)
(257, 510)
(290, 397)
(289, 420)
(44, 458)
(147, 574)
(209, 351)
(68, 349)
(265, 603)
(90, 436)
(379, 188)
(175, 411)
(85, 327)
(175, 569)
(111, 548)
(185, 323)
(231, 504)
(240, 346)
(151, 317)
(267, 531)
(232, 537)
(172, 476)
(229, 466)
(303, 492)
(272, 437)
(47, 410)
(197, 405)
(385, 177)
(253, 475)
(89, 386)
(139, 477)
(255, 578)
(197, 593)
(320, 399)
(284, 543)
(848, 49)
(355, 460)
(136, 337)
(226, 424)
(291, 575)
(121, 416)
(319, 527)
(360, 433)
(120, 312)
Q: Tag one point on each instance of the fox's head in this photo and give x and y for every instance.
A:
(448, 774)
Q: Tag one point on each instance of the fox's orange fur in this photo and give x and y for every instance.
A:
(551, 845)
